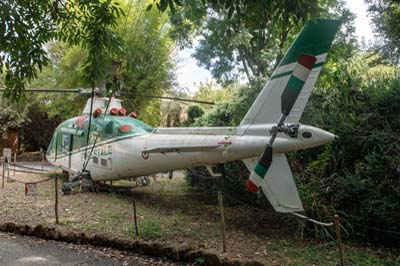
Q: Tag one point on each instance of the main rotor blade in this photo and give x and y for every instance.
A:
(163, 97)
(53, 90)
(84, 91)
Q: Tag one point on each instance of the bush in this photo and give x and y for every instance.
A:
(359, 175)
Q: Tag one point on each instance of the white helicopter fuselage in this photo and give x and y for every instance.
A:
(167, 149)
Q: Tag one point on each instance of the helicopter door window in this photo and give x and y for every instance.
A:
(66, 143)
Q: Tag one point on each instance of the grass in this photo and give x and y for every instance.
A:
(169, 212)
(302, 253)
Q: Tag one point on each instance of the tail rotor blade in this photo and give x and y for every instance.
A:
(260, 170)
(296, 82)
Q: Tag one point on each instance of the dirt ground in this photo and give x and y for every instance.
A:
(169, 211)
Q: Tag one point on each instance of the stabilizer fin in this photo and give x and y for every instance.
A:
(278, 185)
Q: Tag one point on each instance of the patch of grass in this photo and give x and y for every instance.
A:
(113, 215)
(200, 261)
(153, 227)
(303, 253)
(149, 229)
(166, 186)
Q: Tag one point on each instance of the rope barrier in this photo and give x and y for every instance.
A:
(311, 220)
(25, 171)
(243, 203)
(27, 167)
(32, 182)
(30, 172)
(376, 229)
(180, 195)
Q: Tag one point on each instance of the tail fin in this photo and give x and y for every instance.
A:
(278, 185)
(315, 38)
(271, 171)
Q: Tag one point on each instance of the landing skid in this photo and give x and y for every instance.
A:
(84, 183)
(81, 181)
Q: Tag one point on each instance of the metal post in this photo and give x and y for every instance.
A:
(56, 198)
(135, 216)
(221, 210)
(3, 174)
(41, 157)
(339, 238)
(15, 161)
(8, 171)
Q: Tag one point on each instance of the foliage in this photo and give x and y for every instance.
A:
(63, 72)
(246, 37)
(386, 16)
(38, 130)
(212, 92)
(12, 116)
(194, 112)
(146, 67)
(361, 105)
(137, 29)
(21, 57)
(78, 22)
(231, 113)
(90, 25)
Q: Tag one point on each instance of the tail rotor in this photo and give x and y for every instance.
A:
(289, 96)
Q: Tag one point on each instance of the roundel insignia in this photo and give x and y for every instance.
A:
(145, 155)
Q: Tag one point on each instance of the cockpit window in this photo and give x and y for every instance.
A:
(306, 135)
(51, 150)
(113, 126)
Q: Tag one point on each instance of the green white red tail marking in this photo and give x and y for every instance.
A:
(296, 82)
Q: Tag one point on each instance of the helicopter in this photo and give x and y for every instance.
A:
(107, 143)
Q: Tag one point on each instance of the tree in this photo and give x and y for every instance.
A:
(386, 16)
(12, 116)
(147, 66)
(247, 37)
(194, 112)
(26, 26)
(212, 92)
